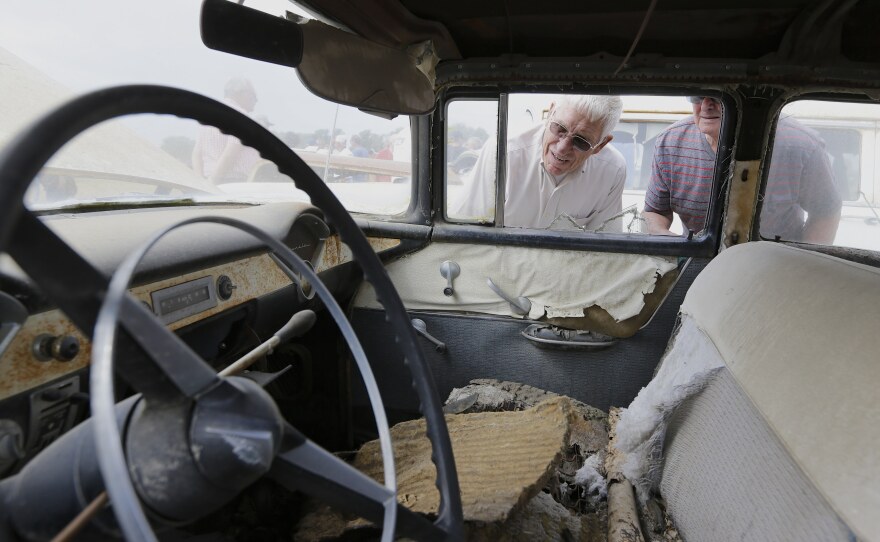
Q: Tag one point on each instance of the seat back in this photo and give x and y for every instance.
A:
(783, 440)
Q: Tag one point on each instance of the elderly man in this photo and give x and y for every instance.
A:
(801, 202)
(560, 168)
(222, 158)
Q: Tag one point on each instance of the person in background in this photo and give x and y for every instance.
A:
(222, 158)
(561, 167)
(801, 202)
(385, 153)
(357, 147)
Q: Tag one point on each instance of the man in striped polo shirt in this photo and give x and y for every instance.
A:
(801, 202)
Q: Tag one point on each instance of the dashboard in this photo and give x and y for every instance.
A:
(202, 281)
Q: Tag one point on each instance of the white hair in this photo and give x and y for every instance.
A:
(603, 110)
(237, 85)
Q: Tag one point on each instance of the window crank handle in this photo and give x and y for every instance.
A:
(449, 270)
(422, 328)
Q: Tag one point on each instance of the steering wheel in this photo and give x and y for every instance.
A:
(181, 395)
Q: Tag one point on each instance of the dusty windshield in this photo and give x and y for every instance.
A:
(53, 51)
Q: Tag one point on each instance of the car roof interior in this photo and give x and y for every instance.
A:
(791, 33)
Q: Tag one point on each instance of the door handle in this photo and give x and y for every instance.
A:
(550, 336)
(521, 305)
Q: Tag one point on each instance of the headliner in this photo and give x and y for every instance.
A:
(800, 34)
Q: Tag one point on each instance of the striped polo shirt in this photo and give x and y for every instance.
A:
(682, 173)
(800, 179)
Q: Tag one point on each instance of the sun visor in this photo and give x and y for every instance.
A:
(347, 69)
(242, 31)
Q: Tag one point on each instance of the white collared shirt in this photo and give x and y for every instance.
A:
(589, 195)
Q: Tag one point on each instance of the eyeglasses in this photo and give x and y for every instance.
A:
(562, 132)
(697, 99)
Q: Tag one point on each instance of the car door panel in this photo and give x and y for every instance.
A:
(492, 346)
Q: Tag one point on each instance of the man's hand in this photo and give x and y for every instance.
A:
(658, 223)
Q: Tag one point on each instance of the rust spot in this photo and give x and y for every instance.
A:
(20, 370)
(256, 276)
(741, 200)
(332, 254)
(335, 252)
(253, 277)
(380, 243)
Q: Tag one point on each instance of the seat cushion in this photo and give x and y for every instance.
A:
(726, 477)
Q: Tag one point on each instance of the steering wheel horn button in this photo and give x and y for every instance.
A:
(236, 432)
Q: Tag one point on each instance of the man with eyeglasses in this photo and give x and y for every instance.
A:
(558, 168)
(801, 202)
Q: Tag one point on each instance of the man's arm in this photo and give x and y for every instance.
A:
(658, 223)
(227, 158)
(657, 212)
(821, 200)
(821, 229)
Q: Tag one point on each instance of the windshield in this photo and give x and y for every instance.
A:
(53, 51)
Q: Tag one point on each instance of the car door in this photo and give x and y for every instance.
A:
(582, 313)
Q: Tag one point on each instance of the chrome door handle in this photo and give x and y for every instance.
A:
(521, 305)
(422, 328)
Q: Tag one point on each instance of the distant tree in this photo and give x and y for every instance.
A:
(291, 139)
(180, 147)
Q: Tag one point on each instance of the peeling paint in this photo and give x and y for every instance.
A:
(247, 449)
(741, 199)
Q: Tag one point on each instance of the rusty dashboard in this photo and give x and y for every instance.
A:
(208, 286)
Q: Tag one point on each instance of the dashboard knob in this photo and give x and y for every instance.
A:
(65, 348)
(48, 347)
(225, 286)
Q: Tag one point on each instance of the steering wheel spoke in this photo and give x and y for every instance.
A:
(152, 360)
(312, 470)
(172, 372)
